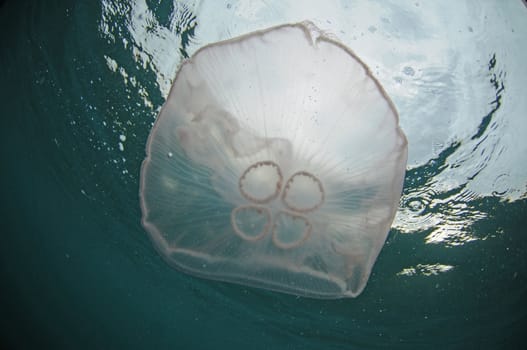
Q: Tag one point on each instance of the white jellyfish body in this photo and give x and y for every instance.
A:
(277, 162)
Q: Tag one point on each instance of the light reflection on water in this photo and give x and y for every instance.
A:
(449, 82)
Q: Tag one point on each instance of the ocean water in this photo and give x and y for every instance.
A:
(81, 83)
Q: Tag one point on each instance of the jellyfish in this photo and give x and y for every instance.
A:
(276, 162)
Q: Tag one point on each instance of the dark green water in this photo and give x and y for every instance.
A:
(78, 271)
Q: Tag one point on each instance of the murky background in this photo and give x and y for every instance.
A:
(81, 85)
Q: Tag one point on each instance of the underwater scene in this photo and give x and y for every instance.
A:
(259, 174)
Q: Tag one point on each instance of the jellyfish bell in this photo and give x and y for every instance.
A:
(277, 161)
